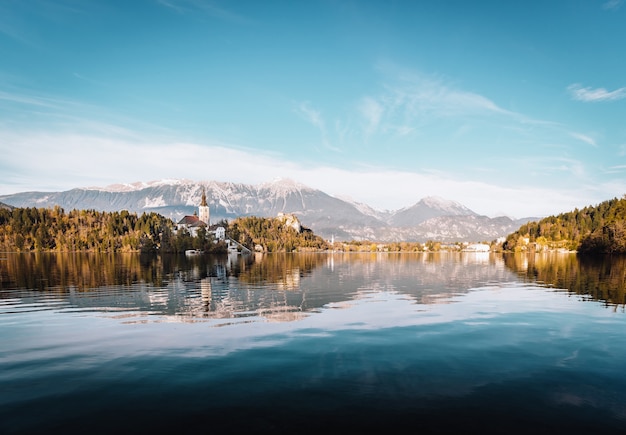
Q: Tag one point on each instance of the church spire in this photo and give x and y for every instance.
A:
(203, 211)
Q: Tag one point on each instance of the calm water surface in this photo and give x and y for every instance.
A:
(319, 343)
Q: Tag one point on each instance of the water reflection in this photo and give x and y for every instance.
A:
(601, 278)
(279, 287)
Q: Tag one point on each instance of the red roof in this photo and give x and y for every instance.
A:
(191, 221)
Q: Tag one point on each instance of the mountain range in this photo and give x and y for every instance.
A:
(432, 218)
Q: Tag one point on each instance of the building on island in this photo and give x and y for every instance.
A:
(197, 220)
(200, 219)
(203, 210)
(220, 233)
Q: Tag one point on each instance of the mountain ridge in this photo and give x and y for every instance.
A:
(431, 218)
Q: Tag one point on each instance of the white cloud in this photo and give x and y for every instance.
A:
(410, 102)
(584, 138)
(101, 153)
(455, 101)
(412, 109)
(50, 162)
(592, 95)
(424, 93)
(616, 169)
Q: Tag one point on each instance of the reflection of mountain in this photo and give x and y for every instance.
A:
(423, 277)
(601, 278)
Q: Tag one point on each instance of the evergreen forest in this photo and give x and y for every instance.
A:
(44, 230)
(273, 235)
(599, 229)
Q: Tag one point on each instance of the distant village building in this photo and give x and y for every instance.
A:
(477, 247)
(196, 221)
(220, 233)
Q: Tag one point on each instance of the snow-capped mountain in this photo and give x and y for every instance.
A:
(428, 208)
(430, 219)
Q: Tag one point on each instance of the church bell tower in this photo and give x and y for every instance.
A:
(203, 210)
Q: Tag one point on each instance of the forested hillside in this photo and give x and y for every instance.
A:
(52, 229)
(593, 229)
(42, 229)
(273, 235)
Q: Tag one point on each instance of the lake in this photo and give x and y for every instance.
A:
(312, 343)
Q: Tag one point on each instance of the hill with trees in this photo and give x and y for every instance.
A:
(591, 230)
(282, 234)
(43, 229)
(52, 229)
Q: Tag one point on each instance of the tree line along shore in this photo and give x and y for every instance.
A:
(54, 230)
(599, 229)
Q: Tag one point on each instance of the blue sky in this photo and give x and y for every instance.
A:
(511, 108)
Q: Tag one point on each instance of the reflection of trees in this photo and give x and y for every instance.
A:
(42, 271)
(84, 271)
(266, 285)
(286, 286)
(600, 278)
(284, 270)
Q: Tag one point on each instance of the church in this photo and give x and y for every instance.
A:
(198, 220)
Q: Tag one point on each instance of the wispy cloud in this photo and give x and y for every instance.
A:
(173, 5)
(617, 169)
(409, 102)
(613, 5)
(427, 92)
(314, 117)
(447, 101)
(208, 8)
(572, 167)
(27, 100)
(587, 94)
(372, 111)
(311, 115)
(30, 111)
(410, 109)
(584, 138)
(18, 20)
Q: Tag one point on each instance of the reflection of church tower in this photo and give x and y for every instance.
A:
(203, 210)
